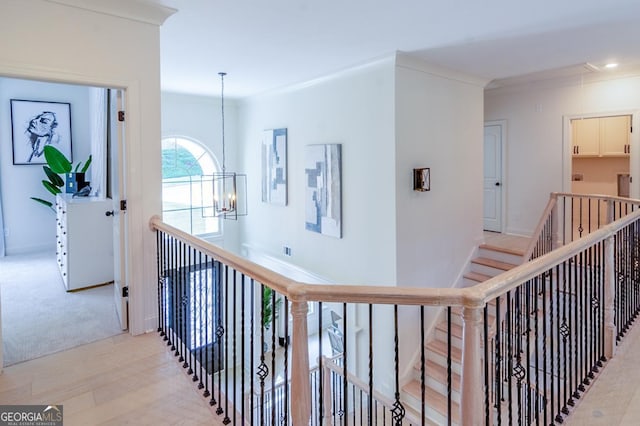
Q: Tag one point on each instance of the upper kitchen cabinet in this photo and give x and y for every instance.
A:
(601, 136)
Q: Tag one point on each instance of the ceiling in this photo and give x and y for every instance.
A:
(265, 45)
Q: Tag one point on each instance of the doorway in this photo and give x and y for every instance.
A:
(493, 183)
(601, 154)
(31, 228)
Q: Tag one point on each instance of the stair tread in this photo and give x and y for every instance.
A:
(440, 347)
(434, 399)
(439, 373)
(476, 276)
(505, 250)
(493, 263)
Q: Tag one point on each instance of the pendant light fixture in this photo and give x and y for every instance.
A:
(226, 185)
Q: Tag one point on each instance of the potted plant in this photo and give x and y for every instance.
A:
(58, 164)
(267, 307)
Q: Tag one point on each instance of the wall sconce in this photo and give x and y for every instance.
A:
(422, 179)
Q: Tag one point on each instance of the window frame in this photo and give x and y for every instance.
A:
(215, 168)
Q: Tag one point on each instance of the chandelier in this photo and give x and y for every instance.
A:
(226, 185)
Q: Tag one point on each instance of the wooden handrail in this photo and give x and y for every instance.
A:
(472, 297)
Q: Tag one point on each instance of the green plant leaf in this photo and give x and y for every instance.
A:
(54, 178)
(45, 202)
(56, 160)
(51, 187)
(86, 165)
(77, 167)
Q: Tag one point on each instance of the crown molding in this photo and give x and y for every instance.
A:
(135, 10)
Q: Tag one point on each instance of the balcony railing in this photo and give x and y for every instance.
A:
(532, 338)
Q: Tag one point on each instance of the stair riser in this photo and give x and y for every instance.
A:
(466, 282)
(455, 341)
(442, 389)
(487, 270)
(441, 360)
(502, 257)
(430, 412)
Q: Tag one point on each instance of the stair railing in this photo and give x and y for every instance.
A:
(212, 313)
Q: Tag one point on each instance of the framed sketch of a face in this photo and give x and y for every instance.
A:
(36, 124)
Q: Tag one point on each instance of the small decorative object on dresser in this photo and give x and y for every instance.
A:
(84, 241)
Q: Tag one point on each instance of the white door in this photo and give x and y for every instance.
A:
(117, 194)
(493, 178)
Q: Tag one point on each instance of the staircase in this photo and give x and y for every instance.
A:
(491, 260)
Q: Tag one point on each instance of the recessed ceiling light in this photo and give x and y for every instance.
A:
(611, 65)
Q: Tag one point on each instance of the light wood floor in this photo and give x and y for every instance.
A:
(116, 381)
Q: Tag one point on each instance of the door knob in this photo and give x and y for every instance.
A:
(109, 213)
(497, 183)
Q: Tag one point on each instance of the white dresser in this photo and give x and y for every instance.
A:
(84, 240)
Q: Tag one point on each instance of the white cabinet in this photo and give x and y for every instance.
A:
(84, 245)
(601, 136)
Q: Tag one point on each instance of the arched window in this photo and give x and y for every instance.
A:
(187, 192)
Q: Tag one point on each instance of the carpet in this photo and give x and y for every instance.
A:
(39, 317)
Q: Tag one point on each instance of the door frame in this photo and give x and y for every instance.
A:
(503, 171)
(132, 102)
(634, 156)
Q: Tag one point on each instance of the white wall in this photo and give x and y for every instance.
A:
(439, 124)
(355, 109)
(199, 118)
(51, 41)
(536, 158)
(31, 226)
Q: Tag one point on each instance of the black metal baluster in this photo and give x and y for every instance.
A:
(449, 393)
(562, 348)
(509, 354)
(580, 323)
(498, 366)
(518, 370)
(192, 306)
(159, 272)
(252, 289)
(567, 347)
(591, 306)
(220, 332)
(286, 361)
(398, 411)
(273, 356)
(224, 364)
(242, 349)
(601, 286)
(345, 388)
(162, 268)
(558, 387)
(370, 399)
(174, 295)
(209, 277)
(183, 305)
(528, 287)
(422, 367)
(580, 227)
(263, 369)
(201, 345)
(321, 401)
(542, 292)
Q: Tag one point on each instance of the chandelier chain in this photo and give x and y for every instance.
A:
(222, 74)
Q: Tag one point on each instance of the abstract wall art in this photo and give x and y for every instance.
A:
(274, 166)
(323, 189)
(36, 124)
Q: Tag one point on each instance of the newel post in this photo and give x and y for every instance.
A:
(472, 396)
(300, 386)
(609, 298)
